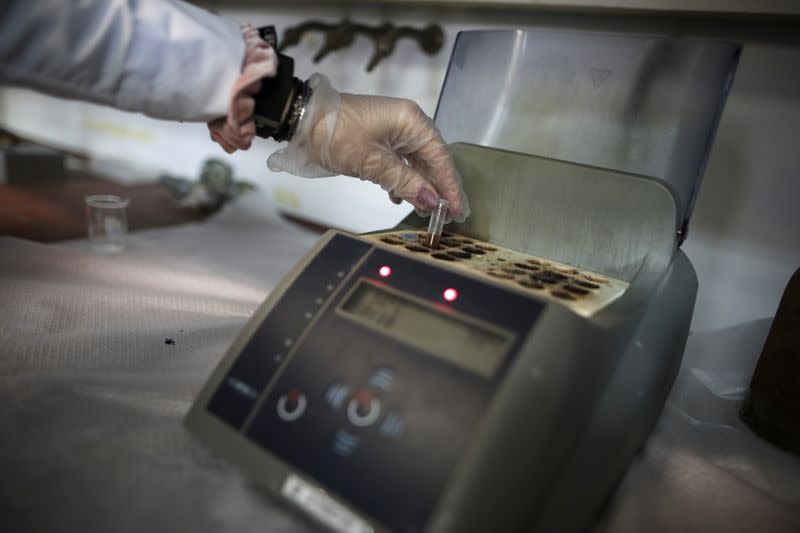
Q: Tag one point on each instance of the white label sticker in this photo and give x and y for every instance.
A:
(322, 507)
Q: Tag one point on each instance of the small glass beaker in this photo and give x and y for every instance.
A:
(107, 222)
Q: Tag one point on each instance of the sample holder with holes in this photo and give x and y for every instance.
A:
(504, 381)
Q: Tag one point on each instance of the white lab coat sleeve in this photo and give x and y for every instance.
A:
(164, 58)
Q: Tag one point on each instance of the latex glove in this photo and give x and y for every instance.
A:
(236, 130)
(388, 141)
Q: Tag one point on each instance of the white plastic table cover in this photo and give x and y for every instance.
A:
(92, 397)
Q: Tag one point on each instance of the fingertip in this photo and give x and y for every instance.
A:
(224, 144)
(422, 212)
(427, 199)
(462, 212)
(459, 217)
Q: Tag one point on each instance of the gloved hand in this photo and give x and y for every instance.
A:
(388, 141)
(237, 129)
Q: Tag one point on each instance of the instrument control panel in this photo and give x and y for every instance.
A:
(370, 372)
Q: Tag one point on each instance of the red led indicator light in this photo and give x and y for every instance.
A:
(450, 294)
(385, 271)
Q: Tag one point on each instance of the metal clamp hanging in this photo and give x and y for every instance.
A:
(384, 37)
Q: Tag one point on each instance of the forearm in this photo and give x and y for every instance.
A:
(164, 58)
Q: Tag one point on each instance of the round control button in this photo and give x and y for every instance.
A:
(292, 405)
(363, 409)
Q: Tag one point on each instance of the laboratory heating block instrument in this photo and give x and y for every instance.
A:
(503, 379)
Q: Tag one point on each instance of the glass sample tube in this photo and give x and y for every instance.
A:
(436, 224)
(107, 222)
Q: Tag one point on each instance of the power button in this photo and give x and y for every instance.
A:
(291, 405)
(363, 409)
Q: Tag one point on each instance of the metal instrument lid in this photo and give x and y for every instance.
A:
(638, 104)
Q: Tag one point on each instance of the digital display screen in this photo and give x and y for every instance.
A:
(458, 339)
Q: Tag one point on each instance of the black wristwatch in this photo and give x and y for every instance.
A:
(282, 100)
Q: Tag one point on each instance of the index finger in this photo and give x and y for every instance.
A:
(443, 175)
